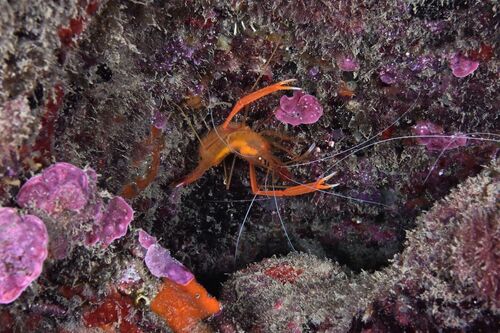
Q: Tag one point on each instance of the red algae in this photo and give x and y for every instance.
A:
(44, 141)
(69, 33)
(7, 321)
(112, 315)
(484, 53)
(284, 273)
(92, 7)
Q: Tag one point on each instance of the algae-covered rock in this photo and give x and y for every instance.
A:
(290, 294)
(448, 275)
(446, 278)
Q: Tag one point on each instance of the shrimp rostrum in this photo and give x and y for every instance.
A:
(238, 138)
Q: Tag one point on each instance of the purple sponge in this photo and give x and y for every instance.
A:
(299, 109)
(76, 212)
(23, 249)
(113, 224)
(462, 66)
(161, 263)
(60, 187)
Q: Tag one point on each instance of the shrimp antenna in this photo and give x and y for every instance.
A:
(354, 148)
(281, 221)
(441, 153)
(240, 231)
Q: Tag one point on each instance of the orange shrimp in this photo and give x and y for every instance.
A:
(233, 137)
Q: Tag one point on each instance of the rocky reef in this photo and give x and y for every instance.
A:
(398, 106)
(447, 278)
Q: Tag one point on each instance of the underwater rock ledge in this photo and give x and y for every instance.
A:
(446, 278)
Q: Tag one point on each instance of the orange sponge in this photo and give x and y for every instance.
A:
(183, 307)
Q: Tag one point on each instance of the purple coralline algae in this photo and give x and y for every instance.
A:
(427, 129)
(462, 66)
(160, 263)
(60, 187)
(23, 248)
(389, 74)
(145, 239)
(347, 64)
(159, 120)
(68, 196)
(299, 109)
(113, 223)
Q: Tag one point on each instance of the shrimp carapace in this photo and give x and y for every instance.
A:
(240, 139)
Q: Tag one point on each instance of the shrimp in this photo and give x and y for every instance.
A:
(238, 138)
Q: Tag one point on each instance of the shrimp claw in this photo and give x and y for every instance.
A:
(255, 96)
(291, 191)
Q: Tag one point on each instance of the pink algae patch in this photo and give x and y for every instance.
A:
(432, 136)
(299, 109)
(70, 196)
(347, 64)
(62, 186)
(160, 263)
(23, 248)
(462, 66)
(146, 240)
(114, 222)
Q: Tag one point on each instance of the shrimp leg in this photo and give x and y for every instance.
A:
(289, 191)
(194, 175)
(255, 96)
